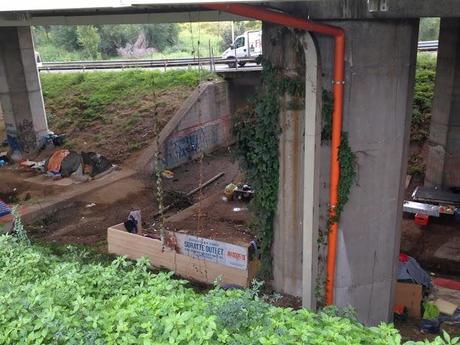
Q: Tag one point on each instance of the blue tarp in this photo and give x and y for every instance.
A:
(4, 209)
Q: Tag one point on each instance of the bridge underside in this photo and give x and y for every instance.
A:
(380, 65)
(152, 11)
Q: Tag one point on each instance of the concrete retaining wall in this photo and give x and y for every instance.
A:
(201, 125)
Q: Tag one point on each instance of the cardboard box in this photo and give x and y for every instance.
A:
(410, 296)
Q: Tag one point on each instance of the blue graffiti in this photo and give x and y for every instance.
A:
(13, 143)
(188, 147)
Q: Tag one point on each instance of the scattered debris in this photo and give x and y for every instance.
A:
(240, 209)
(445, 307)
(95, 163)
(134, 223)
(447, 283)
(4, 160)
(167, 174)
(193, 191)
(243, 192)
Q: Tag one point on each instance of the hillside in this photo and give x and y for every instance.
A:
(114, 113)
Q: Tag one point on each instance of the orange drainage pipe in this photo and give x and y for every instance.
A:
(338, 34)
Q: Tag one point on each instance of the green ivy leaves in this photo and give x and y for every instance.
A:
(257, 131)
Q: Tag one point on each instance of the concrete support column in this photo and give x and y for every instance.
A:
(443, 161)
(379, 80)
(283, 50)
(20, 91)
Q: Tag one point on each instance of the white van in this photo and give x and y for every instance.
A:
(247, 45)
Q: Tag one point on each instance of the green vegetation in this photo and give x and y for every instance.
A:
(88, 96)
(429, 29)
(348, 173)
(112, 112)
(423, 97)
(67, 43)
(416, 166)
(89, 39)
(46, 299)
(256, 130)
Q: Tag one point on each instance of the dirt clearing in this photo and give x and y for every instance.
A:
(84, 223)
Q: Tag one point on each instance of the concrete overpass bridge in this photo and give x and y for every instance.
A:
(380, 58)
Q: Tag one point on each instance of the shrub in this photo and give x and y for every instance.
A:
(423, 97)
(46, 299)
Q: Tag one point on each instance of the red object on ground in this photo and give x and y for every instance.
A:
(399, 309)
(403, 257)
(421, 219)
(447, 283)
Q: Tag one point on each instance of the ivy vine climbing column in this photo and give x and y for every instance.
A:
(373, 154)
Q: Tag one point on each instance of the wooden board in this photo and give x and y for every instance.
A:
(134, 246)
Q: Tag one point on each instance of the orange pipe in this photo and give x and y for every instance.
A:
(271, 16)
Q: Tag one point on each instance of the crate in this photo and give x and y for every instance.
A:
(133, 246)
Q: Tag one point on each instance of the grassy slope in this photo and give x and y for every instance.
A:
(114, 112)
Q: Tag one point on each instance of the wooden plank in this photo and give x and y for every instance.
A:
(225, 274)
(135, 246)
(205, 271)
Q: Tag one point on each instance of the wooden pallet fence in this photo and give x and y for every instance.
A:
(183, 263)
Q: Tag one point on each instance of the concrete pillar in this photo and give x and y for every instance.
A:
(311, 172)
(443, 160)
(20, 91)
(283, 50)
(380, 68)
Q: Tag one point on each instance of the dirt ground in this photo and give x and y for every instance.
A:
(214, 218)
(426, 243)
(85, 220)
(15, 190)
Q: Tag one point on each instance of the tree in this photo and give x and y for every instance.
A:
(65, 36)
(114, 37)
(89, 39)
(161, 36)
(429, 29)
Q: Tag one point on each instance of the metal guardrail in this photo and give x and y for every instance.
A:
(428, 45)
(125, 64)
(165, 63)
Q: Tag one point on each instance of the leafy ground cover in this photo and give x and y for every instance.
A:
(114, 112)
(46, 299)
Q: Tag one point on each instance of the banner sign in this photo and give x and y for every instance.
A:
(215, 251)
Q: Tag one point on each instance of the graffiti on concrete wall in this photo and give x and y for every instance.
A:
(183, 148)
(26, 135)
(22, 139)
